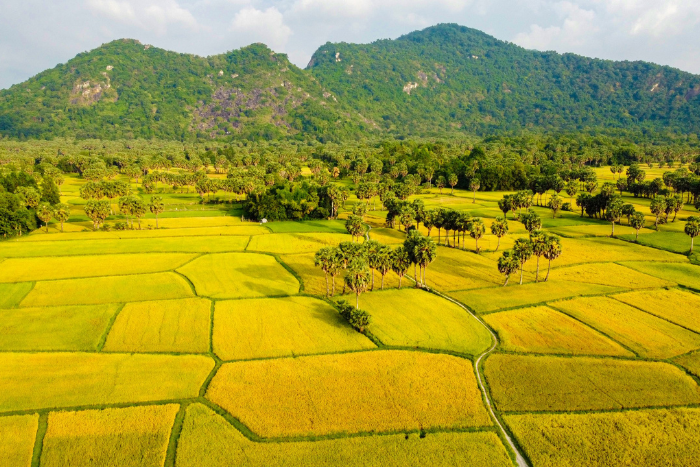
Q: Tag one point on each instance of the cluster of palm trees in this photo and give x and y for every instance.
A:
(133, 207)
(539, 244)
(360, 262)
(46, 212)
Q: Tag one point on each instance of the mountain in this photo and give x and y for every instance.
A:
(444, 80)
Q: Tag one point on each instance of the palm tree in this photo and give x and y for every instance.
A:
(61, 213)
(400, 262)
(372, 247)
(531, 221)
(357, 278)
(336, 263)
(692, 229)
(476, 231)
(552, 252)
(452, 180)
(322, 258)
(508, 263)
(354, 226)
(555, 204)
(409, 246)
(613, 212)
(539, 246)
(523, 251)
(474, 186)
(384, 261)
(658, 206)
(138, 208)
(156, 206)
(499, 228)
(45, 212)
(637, 221)
(425, 252)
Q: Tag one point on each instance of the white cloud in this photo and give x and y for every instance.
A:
(151, 15)
(577, 26)
(655, 17)
(265, 26)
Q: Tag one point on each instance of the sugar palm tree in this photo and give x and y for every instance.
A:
(357, 278)
(474, 186)
(692, 229)
(508, 263)
(637, 221)
(384, 261)
(323, 259)
(400, 262)
(45, 212)
(523, 251)
(539, 247)
(61, 213)
(477, 231)
(372, 247)
(425, 252)
(156, 206)
(499, 227)
(552, 252)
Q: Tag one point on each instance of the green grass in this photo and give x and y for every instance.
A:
(54, 328)
(283, 327)
(31, 381)
(113, 289)
(687, 275)
(413, 318)
(17, 435)
(522, 383)
(239, 275)
(12, 294)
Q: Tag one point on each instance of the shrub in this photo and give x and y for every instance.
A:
(358, 319)
(566, 207)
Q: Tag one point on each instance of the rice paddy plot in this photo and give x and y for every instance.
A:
(653, 438)
(12, 294)
(691, 362)
(460, 270)
(41, 269)
(543, 330)
(30, 381)
(307, 226)
(677, 306)
(203, 244)
(413, 318)
(284, 243)
(497, 298)
(17, 435)
(111, 289)
(281, 327)
(162, 326)
(239, 275)
(522, 383)
(687, 275)
(645, 334)
(54, 328)
(185, 222)
(346, 393)
(676, 242)
(208, 439)
(387, 236)
(244, 230)
(129, 437)
(610, 274)
(593, 230)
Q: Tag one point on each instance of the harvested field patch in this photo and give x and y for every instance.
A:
(134, 436)
(514, 295)
(662, 437)
(645, 334)
(285, 244)
(414, 318)
(239, 275)
(53, 379)
(543, 330)
(111, 289)
(609, 274)
(460, 270)
(675, 305)
(203, 244)
(239, 229)
(357, 392)
(281, 327)
(54, 328)
(41, 269)
(522, 383)
(208, 439)
(162, 326)
(17, 435)
(687, 275)
(306, 226)
(12, 294)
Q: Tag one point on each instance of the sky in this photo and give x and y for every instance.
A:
(39, 34)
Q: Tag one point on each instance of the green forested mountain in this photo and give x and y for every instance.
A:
(444, 80)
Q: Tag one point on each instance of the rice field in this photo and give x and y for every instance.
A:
(12, 294)
(461, 270)
(17, 435)
(687, 275)
(611, 275)
(110, 289)
(691, 362)
(31, 381)
(129, 437)
(641, 332)
(521, 383)
(238, 229)
(544, 330)
(55, 328)
(208, 439)
(413, 318)
(162, 326)
(348, 393)
(289, 243)
(641, 437)
(675, 305)
(284, 327)
(239, 275)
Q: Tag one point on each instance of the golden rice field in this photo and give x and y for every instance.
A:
(162, 326)
(521, 383)
(285, 244)
(544, 330)
(208, 439)
(194, 231)
(239, 275)
(611, 275)
(129, 437)
(283, 327)
(643, 333)
(12, 294)
(674, 305)
(347, 393)
(691, 362)
(17, 435)
(461, 270)
(55, 328)
(687, 275)
(414, 318)
(641, 437)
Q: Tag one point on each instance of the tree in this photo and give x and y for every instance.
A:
(531, 221)
(29, 196)
(138, 209)
(613, 212)
(384, 261)
(571, 188)
(407, 217)
(126, 208)
(552, 251)
(505, 204)
(658, 207)
(49, 191)
(156, 206)
(425, 252)
(323, 259)
(637, 221)
(372, 248)
(357, 278)
(508, 263)
(400, 262)
(499, 228)
(582, 201)
(692, 229)
(62, 213)
(44, 211)
(628, 210)
(539, 246)
(355, 227)
(555, 203)
(523, 251)
(452, 180)
(429, 220)
(97, 212)
(358, 319)
(474, 186)
(476, 231)
(676, 204)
